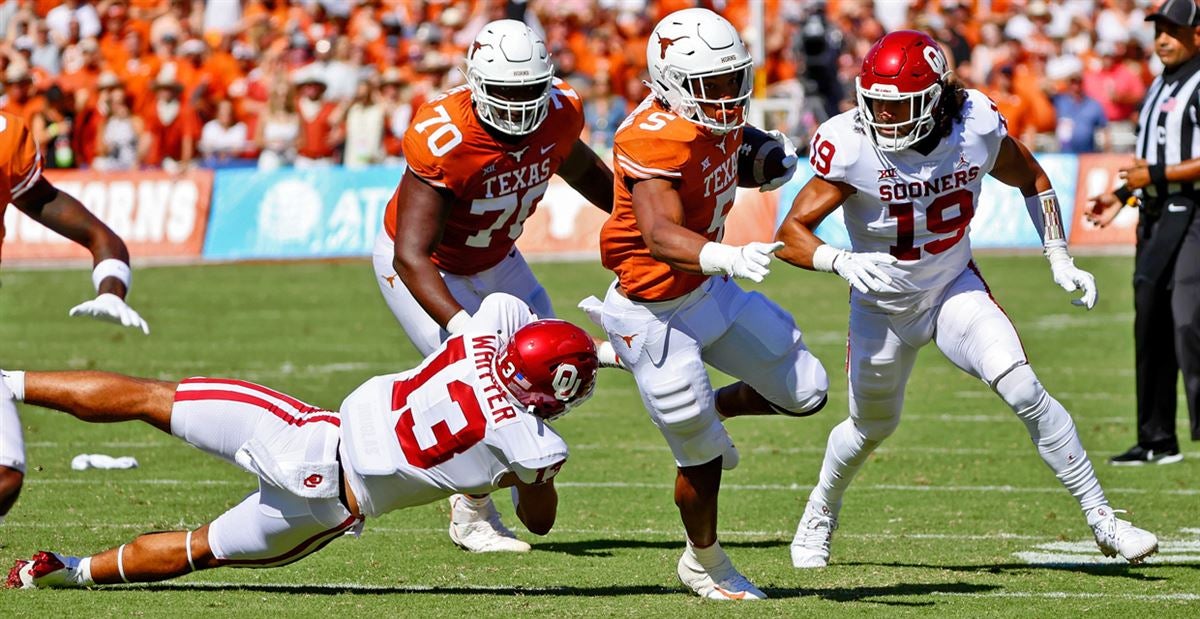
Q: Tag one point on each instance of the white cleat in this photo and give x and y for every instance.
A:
(475, 526)
(1118, 537)
(45, 570)
(723, 582)
(814, 534)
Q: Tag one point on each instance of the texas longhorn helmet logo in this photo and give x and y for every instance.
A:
(664, 43)
(476, 46)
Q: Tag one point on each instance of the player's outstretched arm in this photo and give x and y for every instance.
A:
(536, 504)
(1015, 166)
(801, 247)
(420, 215)
(112, 277)
(587, 173)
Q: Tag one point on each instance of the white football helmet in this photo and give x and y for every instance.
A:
(509, 73)
(689, 46)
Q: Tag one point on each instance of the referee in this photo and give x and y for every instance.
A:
(1166, 280)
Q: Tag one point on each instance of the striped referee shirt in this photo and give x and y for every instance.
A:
(1168, 128)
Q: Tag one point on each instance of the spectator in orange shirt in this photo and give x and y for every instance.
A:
(1012, 106)
(171, 125)
(321, 129)
(22, 100)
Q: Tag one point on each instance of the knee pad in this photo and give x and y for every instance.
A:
(876, 429)
(675, 404)
(1020, 389)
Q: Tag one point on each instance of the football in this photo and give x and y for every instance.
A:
(760, 158)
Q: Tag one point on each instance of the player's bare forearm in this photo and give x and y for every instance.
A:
(60, 212)
(420, 216)
(588, 174)
(816, 200)
(537, 506)
(1016, 167)
(424, 281)
(659, 212)
(1184, 171)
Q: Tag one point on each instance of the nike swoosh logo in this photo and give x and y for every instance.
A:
(546, 149)
(1176, 208)
(729, 594)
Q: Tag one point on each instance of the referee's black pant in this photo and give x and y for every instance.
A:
(1167, 324)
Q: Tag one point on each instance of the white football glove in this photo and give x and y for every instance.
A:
(789, 161)
(1070, 277)
(747, 261)
(862, 270)
(111, 308)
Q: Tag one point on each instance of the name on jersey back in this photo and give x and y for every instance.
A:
(498, 405)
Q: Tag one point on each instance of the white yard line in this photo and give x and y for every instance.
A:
(1066, 595)
(89, 479)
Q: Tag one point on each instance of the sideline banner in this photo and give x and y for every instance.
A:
(1098, 174)
(158, 214)
(288, 213)
(336, 212)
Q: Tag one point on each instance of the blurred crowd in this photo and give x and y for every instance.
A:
(133, 84)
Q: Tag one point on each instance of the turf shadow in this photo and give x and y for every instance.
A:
(604, 547)
(353, 589)
(1133, 572)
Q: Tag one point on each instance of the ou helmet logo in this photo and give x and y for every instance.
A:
(935, 58)
(566, 382)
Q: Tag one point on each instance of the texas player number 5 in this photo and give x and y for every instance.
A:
(444, 138)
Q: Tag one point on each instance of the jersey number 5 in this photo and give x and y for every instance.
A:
(434, 434)
(935, 220)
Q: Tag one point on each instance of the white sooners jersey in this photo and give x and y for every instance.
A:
(915, 207)
(446, 426)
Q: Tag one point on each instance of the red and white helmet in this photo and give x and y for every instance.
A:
(549, 367)
(905, 65)
(510, 74)
(685, 48)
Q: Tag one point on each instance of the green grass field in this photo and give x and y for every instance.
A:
(955, 515)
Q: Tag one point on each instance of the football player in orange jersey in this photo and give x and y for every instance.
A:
(22, 184)
(674, 307)
(480, 158)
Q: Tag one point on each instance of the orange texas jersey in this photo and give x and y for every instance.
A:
(654, 143)
(495, 186)
(20, 161)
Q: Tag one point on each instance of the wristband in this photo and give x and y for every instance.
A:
(1158, 174)
(1043, 209)
(112, 267)
(824, 257)
(1124, 194)
(456, 322)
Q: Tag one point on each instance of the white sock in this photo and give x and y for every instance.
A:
(15, 379)
(83, 575)
(470, 509)
(710, 557)
(845, 453)
(1053, 432)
